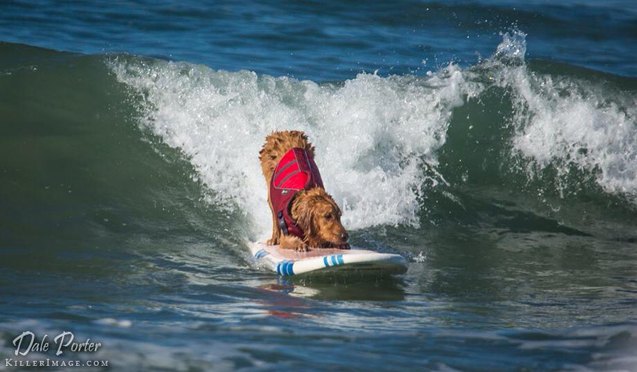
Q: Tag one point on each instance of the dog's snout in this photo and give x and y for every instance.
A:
(344, 236)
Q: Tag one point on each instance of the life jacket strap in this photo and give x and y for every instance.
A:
(282, 225)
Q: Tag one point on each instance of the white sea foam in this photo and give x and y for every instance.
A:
(562, 122)
(371, 133)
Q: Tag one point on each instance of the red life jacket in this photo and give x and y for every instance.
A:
(296, 171)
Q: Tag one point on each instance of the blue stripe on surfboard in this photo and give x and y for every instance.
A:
(285, 268)
(260, 254)
(333, 260)
(339, 259)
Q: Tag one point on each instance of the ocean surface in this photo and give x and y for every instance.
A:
(492, 143)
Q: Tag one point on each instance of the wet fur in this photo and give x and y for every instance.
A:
(310, 208)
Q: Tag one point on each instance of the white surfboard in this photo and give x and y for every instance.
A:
(288, 262)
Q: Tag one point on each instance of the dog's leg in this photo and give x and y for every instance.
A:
(276, 233)
(274, 240)
(293, 242)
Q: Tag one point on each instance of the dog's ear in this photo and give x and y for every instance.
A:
(305, 218)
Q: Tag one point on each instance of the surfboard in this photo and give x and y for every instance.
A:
(287, 262)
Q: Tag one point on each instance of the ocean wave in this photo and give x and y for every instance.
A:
(373, 134)
(379, 138)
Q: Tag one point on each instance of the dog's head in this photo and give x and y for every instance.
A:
(319, 217)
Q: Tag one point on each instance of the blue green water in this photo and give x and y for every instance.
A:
(492, 143)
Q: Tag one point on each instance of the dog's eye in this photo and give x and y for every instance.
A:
(328, 216)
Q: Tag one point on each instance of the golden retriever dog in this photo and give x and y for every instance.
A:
(304, 216)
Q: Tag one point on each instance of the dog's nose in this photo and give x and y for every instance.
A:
(344, 236)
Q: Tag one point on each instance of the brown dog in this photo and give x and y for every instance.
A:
(304, 216)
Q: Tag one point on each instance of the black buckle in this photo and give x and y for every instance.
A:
(282, 225)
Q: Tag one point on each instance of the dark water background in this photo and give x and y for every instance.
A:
(493, 143)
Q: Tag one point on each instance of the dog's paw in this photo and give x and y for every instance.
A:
(271, 242)
(302, 248)
(292, 242)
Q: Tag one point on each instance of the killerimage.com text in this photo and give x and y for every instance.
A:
(61, 350)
